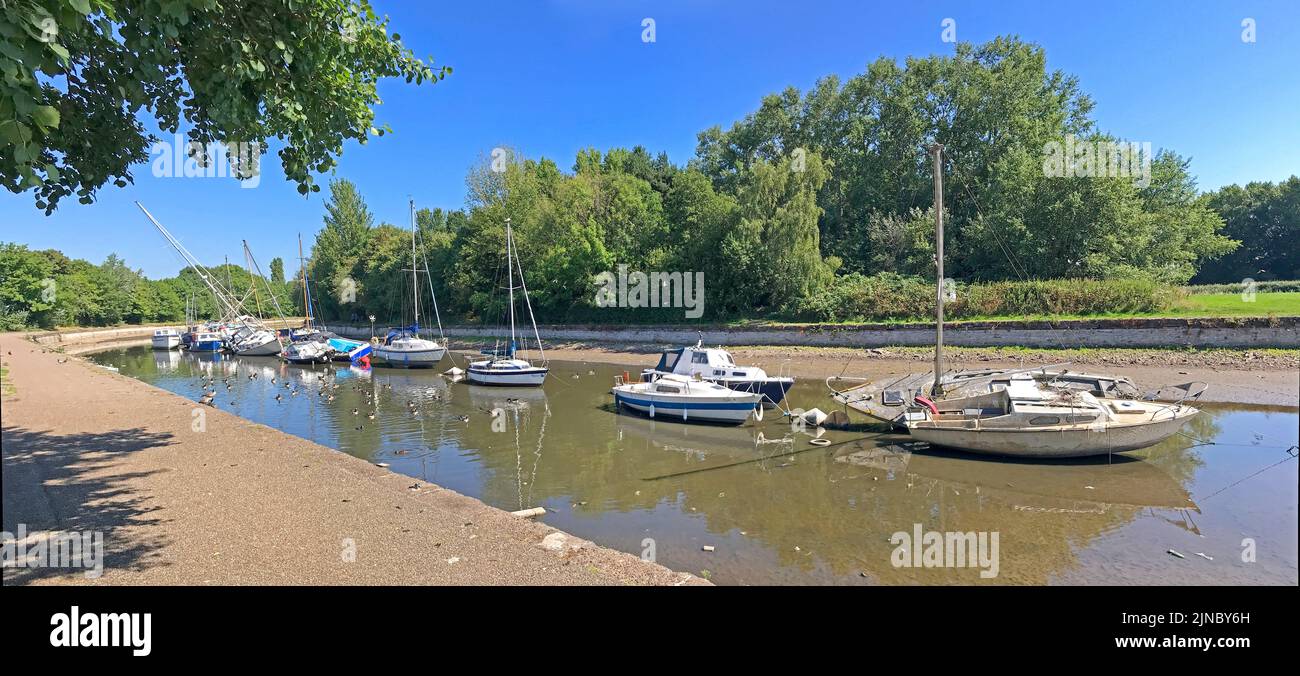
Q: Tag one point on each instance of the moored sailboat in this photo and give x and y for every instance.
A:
(504, 368)
(404, 347)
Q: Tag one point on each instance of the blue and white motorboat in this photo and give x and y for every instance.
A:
(207, 341)
(676, 397)
(715, 365)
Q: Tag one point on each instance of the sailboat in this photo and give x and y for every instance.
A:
(503, 368)
(403, 347)
(1039, 413)
(309, 345)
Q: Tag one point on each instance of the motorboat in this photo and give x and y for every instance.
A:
(503, 367)
(346, 349)
(715, 365)
(1025, 418)
(166, 339)
(207, 341)
(676, 397)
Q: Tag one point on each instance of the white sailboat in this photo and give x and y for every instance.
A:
(404, 347)
(503, 368)
(678, 397)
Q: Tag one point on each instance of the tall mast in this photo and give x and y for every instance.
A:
(302, 264)
(415, 285)
(510, 283)
(937, 151)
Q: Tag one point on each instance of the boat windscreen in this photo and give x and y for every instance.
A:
(668, 360)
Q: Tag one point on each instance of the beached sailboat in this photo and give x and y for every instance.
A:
(1045, 412)
(504, 368)
(715, 365)
(307, 345)
(676, 397)
(404, 347)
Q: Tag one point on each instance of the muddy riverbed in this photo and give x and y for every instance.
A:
(772, 507)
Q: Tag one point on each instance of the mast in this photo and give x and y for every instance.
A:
(415, 285)
(302, 264)
(937, 150)
(510, 283)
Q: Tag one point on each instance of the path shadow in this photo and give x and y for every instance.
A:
(69, 483)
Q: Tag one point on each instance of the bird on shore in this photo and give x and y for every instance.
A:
(370, 416)
(206, 399)
(463, 418)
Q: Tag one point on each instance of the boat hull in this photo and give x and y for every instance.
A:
(531, 377)
(166, 342)
(349, 350)
(693, 409)
(772, 389)
(408, 358)
(206, 346)
(1074, 442)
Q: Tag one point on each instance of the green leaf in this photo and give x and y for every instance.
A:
(46, 116)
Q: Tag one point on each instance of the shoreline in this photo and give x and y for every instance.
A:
(1268, 376)
(233, 502)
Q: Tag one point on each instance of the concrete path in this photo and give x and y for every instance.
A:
(85, 449)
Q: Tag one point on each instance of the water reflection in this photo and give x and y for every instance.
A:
(775, 508)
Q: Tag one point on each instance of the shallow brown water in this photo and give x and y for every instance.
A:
(775, 508)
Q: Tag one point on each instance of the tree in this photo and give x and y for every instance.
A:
(277, 270)
(1265, 217)
(339, 248)
(80, 75)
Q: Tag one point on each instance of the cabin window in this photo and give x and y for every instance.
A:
(719, 372)
(738, 373)
(668, 388)
(699, 358)
(1045, 420)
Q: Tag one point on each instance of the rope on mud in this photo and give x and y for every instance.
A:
(754, 460)
(1291, 454)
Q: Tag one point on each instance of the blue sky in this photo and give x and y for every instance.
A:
(552, 77)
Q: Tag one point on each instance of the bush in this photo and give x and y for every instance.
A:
(890, 297)
(1274, 286)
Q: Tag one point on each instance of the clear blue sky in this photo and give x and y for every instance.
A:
(552, 77)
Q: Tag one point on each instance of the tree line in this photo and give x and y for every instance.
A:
(813, 193)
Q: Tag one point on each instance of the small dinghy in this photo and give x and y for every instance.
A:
(166, 339)
(675, 397)
(715, 365)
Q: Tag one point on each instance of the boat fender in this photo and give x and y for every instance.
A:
(925, 401)
(652, 410)
(758, 412)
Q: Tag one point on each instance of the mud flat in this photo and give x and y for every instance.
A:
(233, 502)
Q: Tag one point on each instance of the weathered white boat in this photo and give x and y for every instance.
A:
(1042, 413)
(503, 367)
(251, 342)
(716, 366)
(309, 349)
(166, 339)
(1027, 419)
(675, 397)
